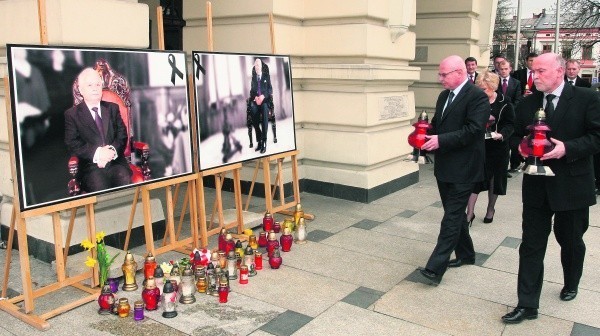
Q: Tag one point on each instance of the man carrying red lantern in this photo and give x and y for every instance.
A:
(573, 115)
(458, 128)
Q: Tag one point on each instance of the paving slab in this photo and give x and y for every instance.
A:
(442, 310)
(297, 290)
(339, 263)
(346, 319)
(408, 251)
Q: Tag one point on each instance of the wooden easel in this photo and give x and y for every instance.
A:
(19, 222)
(208, 229)
(171, 239)
(265, 163)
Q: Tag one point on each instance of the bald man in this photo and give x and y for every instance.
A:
(557, 203)
(457, 138)
(96, 134)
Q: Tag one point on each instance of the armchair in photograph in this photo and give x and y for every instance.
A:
(270, 118)
(115, 90)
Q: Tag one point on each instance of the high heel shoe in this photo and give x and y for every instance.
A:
(488, 220)
(471, 220)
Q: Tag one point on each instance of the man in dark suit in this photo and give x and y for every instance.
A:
(96, 134)
(572, 74)
(525, 76)
(509, 86)
(260, 94)
(498, 58)
(461, 113)
(471, 64)
(573, 114)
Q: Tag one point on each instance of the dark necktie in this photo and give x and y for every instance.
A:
(472, 78)
(549, 106)
(504, 86)
(450, 97)
(258, 82)
(99, 123)
(571, 82)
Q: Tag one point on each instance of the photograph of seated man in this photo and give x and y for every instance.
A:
(96, 134)
(260, 95)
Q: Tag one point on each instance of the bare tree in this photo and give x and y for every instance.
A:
(504, 28)
(581, 16)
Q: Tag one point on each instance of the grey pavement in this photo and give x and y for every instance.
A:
(357, 275)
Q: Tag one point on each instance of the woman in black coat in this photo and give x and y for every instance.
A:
(496, 148)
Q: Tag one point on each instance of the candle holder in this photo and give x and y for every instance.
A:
(151, 294)
(276, 227)
(243, 275)
(169, 301)
(417, 139)
(267, 222)
(129, 268)
(258, 261)
(114, 284)
(187, 287)
(488, 127)
(535, 145)
(298, 213)
(149, 266)
(262, 239)
(230, 243)
(159, 279)
(211, 280)
(289, 223)
(275, 260)
(201, 283)
(222, 260)
(223, 290)
(231, 266)
(175, 274)
(222, 239)
(301, 232)
(106, 301)
(138, 310)
(286, 240)
(124, 307)
(272, 243)
(249, 261)
(252, 242)
(239, 248)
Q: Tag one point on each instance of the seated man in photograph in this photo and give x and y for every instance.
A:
(96, 134)
(260, 92)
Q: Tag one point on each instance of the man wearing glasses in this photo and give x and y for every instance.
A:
(457, 138)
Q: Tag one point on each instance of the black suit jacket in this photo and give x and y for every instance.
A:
(576, 122)
(265, 84)
(580, 82)
(513, 90)
(461, 153)
(83, 138)
(521, 76)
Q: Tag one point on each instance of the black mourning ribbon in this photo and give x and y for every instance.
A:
(199, 67)
(174, 70)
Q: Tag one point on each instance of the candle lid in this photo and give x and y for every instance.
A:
(138, 304)
(123, 301)
(268, 214)
(150, 257)
(287, 231)
(272, 235)
(158, 273)
(150, 283)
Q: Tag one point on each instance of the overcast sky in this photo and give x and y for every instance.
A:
(528, 7)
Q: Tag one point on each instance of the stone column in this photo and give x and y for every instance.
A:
(461, 27)
(353, 108)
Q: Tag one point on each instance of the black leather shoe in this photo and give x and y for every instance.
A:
(520, 314)
(459, 262)
(263, 149)
(568, 295)
(259, 146)
(433, 278)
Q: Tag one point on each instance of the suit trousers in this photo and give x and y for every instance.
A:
(454, 229)
(569, 227)
(260, 116)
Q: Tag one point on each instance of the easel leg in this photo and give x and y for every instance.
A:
(69, 234)
(131, 216)
(201, 214)
(58, 249)
(9, 245)
(252, 185)
(147, 221)
(193, 214)
(267, 181)
(238, 199)
(170, 215)
(25, 266)
(91, 228)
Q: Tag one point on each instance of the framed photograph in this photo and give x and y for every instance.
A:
(245, 107)
(87, 121)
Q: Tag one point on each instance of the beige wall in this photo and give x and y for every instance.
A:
(463, 28)
(350, 65)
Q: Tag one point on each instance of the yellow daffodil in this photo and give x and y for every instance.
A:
(90, 262)
(100, 236)
(86, 244)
